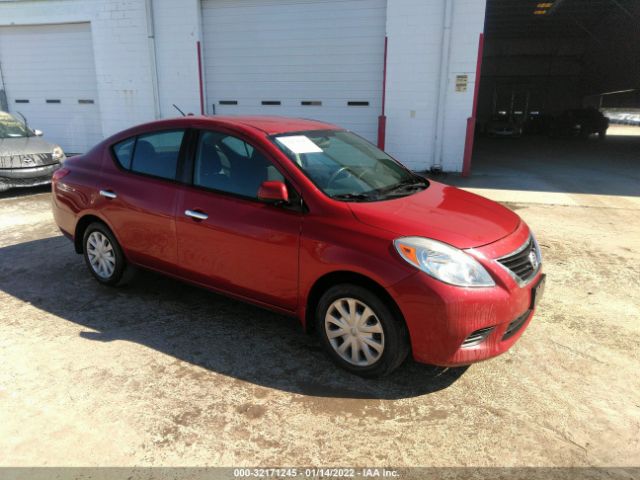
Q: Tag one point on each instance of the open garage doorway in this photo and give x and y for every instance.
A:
(559, 98)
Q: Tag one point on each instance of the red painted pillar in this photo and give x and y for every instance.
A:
(471, 121)
(382, 119)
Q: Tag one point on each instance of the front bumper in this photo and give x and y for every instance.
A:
(27, 177)
(445, 322)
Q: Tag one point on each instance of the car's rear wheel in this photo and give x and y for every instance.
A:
(360, 332)
(103, 254)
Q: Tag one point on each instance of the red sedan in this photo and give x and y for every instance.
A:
(309, 220)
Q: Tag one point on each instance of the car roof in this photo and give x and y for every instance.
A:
(269, 125)
(274, 124)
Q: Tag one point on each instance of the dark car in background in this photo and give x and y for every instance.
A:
(26, 159)
(502, 125)
(580, 122)
(537, 123)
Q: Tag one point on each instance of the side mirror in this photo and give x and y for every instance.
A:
(273, 192)
(38, 133)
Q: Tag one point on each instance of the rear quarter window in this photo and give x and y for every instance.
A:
(123, 152)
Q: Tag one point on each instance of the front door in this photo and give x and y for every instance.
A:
(227, 238)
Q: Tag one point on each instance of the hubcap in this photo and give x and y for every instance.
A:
(354, 332)
(101, 255)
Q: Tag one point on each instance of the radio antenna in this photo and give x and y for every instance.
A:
(178, 108)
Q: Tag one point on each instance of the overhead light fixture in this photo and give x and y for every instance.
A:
(542, 8)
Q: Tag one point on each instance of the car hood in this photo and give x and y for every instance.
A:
(442, 213)
(24, 146)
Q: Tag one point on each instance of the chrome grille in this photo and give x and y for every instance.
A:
(26, 160)
(524, 263)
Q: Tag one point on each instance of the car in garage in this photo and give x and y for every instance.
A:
(26, 159)
(502, 125)
(312, 221)
(580, 122)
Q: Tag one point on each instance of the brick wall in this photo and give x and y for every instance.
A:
(414, 30)
(124, 67)
(177, 29)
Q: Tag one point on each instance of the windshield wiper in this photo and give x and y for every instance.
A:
(355, 197)
(404, 185)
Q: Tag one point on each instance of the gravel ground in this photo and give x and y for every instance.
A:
(162, 373)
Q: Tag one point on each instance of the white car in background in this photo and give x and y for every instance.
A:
(26, 159)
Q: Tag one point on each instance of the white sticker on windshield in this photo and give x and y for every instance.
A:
(299, 144)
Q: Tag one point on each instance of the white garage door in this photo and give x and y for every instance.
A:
(49, 76)
(320, 59)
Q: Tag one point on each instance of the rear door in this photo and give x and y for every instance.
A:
(139, 192)
(238, 244)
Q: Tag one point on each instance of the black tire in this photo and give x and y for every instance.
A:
(602, 135)
(117, 276)
(396, 337)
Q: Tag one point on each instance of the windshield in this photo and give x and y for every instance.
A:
(11, 127)
(347, 167)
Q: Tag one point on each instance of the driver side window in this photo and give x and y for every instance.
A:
(228, 164)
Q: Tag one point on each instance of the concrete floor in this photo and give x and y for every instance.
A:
(162, 373)
(566, 172)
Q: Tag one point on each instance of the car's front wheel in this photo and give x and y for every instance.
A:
(360, 332)
(103, 254)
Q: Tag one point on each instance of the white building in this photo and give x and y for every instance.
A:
(81, 70)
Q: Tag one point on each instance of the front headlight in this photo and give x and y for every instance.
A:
(443, 262)
(536, 248)
(58, 154)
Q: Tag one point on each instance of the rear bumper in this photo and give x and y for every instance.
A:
(27, 177)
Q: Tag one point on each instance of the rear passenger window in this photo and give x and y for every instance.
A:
(157, 154)
(124, 152)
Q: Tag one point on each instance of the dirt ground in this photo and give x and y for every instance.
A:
(162, 373)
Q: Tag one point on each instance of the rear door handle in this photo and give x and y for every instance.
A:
(196, 214)
(108, 194)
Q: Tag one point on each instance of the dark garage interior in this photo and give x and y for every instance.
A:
(559, 96)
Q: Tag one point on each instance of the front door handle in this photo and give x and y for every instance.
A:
(108, 194)
(196, 214)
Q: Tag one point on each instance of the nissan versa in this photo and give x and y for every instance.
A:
(309, 220)
(26, 160)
